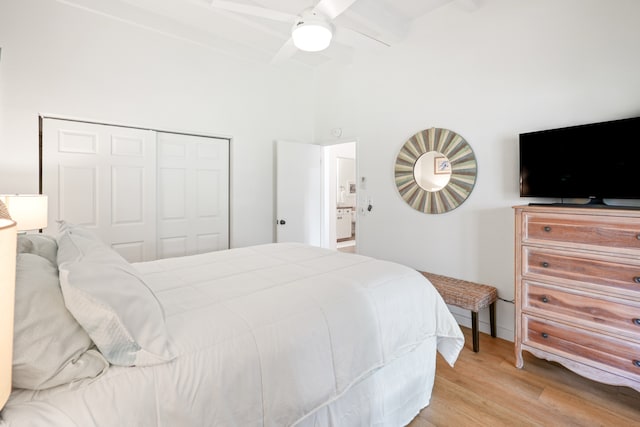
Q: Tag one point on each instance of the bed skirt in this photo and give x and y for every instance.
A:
(392, 396)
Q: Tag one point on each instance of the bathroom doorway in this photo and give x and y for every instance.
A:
(341, 196)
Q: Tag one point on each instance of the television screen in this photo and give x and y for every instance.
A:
(596, 161)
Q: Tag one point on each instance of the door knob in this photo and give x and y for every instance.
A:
(282, 222)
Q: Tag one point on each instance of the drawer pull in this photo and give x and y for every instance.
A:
(636, 279)
(545, 335)
(546, 300)
(636, 321)
(545, 264)
(636, 363)
(548, 229)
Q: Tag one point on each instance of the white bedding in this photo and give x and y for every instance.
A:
(270, 335)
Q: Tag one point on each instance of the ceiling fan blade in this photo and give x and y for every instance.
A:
(333, 8)
(247, 9)
(285, 52)
(352, 37)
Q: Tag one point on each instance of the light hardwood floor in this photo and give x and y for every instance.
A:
(486, 389)
(348, 249)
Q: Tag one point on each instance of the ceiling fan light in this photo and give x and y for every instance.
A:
(312, 36)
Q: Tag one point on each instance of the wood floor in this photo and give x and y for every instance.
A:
(486, 389)
(349, 249)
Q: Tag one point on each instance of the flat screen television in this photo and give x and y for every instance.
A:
(596, 161)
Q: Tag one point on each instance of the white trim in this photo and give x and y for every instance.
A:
(127, 125)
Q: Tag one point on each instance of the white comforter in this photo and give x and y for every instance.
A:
(264, 335)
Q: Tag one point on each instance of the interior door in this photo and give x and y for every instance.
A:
(298, 192)
(148, 194)
(193, 194)
(102, 177)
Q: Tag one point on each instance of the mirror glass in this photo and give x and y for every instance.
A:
(435, 171)
(432, 171)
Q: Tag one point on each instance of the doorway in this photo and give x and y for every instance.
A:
(340, 197)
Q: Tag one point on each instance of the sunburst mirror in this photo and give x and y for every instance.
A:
(435, 171)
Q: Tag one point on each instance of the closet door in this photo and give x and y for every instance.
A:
(193, 194)
(102, 177)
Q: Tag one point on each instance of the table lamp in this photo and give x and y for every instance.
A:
(7, 297)
(29, 211)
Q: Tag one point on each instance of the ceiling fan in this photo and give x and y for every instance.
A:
(312, 29)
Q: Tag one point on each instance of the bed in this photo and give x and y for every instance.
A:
(269, 335)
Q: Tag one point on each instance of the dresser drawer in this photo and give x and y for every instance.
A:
(603, 350)
(541, 263)
(599, 231)
(620, 315)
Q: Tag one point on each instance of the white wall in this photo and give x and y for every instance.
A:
(509, 67)
(60, 60)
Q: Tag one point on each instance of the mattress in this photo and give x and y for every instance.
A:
(269, 335)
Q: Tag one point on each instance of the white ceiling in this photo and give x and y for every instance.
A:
(260, 39)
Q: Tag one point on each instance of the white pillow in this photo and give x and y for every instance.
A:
(39, 244)
(112, 303)
(50, 348)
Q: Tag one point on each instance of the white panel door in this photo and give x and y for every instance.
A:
(102, 177)
(298, 192)
(193, 194)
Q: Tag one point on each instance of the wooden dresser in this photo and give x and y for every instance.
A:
(577, 282)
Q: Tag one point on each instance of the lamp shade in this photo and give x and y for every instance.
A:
(29, 211)
(312, 33)
(7, 298)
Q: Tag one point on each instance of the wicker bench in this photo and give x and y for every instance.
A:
(470, 296)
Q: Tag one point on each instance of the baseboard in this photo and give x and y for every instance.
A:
(484, 326)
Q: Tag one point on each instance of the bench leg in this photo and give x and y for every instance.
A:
(475, 332)
(492, 317)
